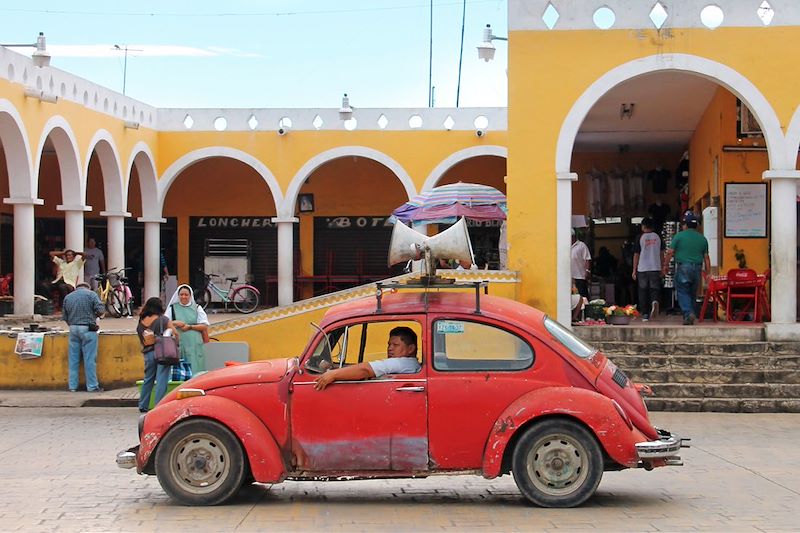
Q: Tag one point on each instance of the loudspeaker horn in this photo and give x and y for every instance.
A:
(407, 244)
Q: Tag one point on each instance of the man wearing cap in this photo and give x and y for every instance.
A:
(81, 309)
(690, 249)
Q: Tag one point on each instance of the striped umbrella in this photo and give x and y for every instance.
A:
(447, 203)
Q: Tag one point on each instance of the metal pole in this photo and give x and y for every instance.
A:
(430, 61)
(461, 53)
(125, 71)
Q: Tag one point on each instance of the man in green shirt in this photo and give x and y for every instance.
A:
(690, 249)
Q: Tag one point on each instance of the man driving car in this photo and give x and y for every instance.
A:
(402, 359)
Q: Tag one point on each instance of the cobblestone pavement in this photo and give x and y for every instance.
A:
(58, 474)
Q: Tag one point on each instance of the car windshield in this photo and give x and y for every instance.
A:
(573, 343)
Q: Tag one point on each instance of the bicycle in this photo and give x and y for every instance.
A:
(114, 292)
(245, 298)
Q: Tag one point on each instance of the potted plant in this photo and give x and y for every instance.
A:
(616, 314)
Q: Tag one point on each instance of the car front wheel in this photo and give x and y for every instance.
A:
(557, 463)
(200, 462)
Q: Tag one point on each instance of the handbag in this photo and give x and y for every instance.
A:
(182, 371)
(165, 349)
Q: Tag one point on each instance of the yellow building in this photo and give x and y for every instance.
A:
(620, 89)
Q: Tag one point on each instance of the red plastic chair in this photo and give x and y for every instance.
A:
(716, 287)
(743, 288)
(763, 297)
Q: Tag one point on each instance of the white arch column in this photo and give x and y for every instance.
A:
(564, 182)
(115, 223)
(285, 259)
(152, 255)
(24, 255)
(783, 245)
(73, 226)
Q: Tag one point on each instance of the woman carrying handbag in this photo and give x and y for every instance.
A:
(153, 324)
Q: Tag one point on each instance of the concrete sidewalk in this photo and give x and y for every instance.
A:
(127, 397)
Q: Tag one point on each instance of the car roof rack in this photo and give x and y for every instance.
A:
(431, 282)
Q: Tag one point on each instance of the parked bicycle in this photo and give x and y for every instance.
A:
(245, 298)
(115, 293)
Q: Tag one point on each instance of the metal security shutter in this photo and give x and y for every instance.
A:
(348, 240)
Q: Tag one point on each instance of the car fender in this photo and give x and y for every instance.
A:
(594, 410)
(266, 462)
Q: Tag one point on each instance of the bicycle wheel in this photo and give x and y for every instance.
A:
(245, 299)
(124, 301)
(113, 305)
(203, 298)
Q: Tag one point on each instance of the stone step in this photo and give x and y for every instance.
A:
(724, 405)
(711, 333)
(775, 391)
(719, 376)
(706, 362)
(697, 348)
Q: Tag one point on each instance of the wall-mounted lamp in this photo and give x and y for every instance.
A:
(345, 112)
(40, 57)
(626, 110)
(30, 92)
(486, 48)
(131, 124)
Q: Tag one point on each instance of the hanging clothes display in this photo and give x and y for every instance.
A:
(636, 189)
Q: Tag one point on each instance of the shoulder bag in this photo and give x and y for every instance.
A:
(165, 349)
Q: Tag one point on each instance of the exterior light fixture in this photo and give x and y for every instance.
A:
(345, 112)
(486, 48)
(41, 95)
(40, 57)
(626, 110)
(131, 124)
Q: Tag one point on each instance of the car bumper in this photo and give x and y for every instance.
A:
(127, 458)
(665, 448)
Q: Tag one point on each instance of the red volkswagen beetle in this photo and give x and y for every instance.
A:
(501, 389)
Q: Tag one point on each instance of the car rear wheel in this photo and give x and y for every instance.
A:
(557, 463)
(200, 462)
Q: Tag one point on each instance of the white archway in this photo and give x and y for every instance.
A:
(107, 154)
(457, 157)
(184, 162)
(793, 136)
(287, 209)
(66, 146)
(14, 139)
(142, 158)
(713, 71)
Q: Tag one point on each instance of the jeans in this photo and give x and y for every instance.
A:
(153, 372)
(83, 341)
(649, 289)
(687, 278)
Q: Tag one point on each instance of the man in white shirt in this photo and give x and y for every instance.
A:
(647, 259)
(402, 353)
(95, 262)
(581, 265)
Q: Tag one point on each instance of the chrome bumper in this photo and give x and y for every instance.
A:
(127, 458)
(665, 447)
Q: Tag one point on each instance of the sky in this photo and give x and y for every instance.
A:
(271, 53)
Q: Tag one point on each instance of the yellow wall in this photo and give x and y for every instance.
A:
(544, 86)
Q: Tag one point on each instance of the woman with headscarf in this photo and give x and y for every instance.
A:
(191, 321)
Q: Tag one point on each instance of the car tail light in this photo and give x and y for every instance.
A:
(623, 414)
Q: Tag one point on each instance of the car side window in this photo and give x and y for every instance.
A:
(460, 345)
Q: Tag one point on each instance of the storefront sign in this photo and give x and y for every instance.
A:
(233, 222)
(356, 222)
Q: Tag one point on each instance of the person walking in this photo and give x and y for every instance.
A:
(81, 309)
(648, 256)
(580, 265)
(152, 322)
(690, 249)
(192, 321)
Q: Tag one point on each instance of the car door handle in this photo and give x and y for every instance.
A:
(409, 388)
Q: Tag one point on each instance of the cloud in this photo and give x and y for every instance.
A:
(141, 50)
